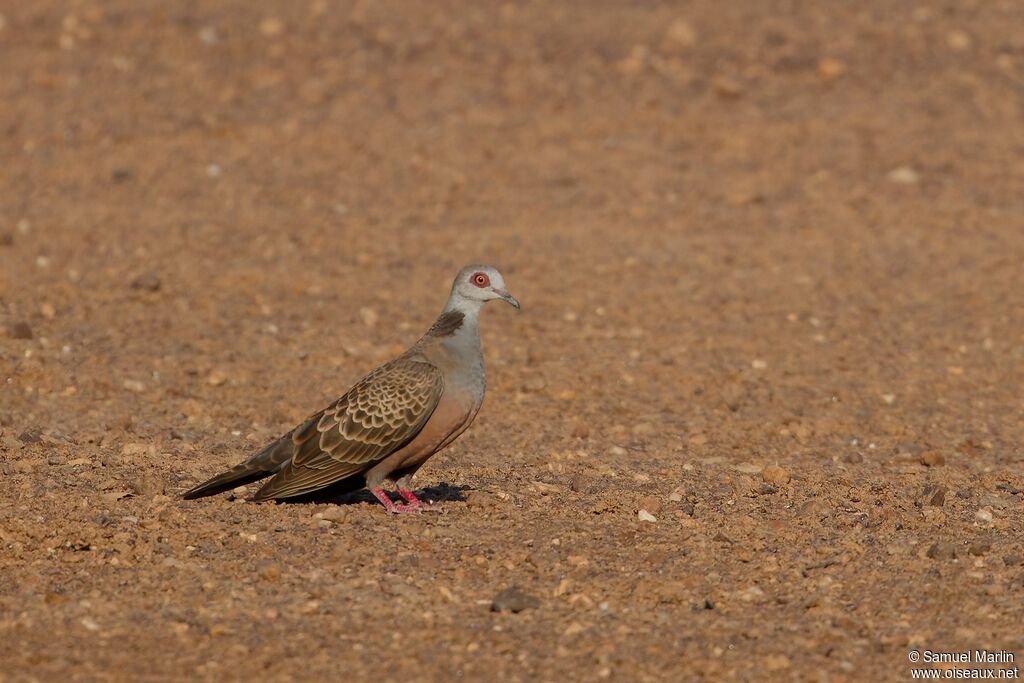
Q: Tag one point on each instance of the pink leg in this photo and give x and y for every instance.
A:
(413, 501)
(394, 508)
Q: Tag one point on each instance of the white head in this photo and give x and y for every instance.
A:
(476, 285)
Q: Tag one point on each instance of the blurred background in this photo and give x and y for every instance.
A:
(743, 232)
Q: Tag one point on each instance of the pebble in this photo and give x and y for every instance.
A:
(773, 474)
(146, 281)
(943, 550)
(983, 516)
(217, 378)
(336, 514)
(651, 503)
(932, 459)
(830, 69)
(676, 496)
(617, 450)
(368, 316)
(681, 34)
(958, 41)
(904, 175)
(513, 600)
(271, 27)
(933, 495)
(979, 548)
(134, 386)
(21, 330)
(645, 516)
(581, 431)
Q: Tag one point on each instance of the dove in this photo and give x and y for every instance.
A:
(391, 421)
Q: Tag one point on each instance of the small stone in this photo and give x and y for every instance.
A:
(134, 386)
(830, 69)
(21, 330)
(217, 378)
(481, 500)
(680, 34)
(575, 628)
(146, 281)
(758, 364)
(933, 495)
(208, 34)
(932, 459)
(270, 572)
(943, 550)
(773, 474)
(650, 503)
(336, 514)
(727, 88)
(983, 516)
(535, 384)
(645, 516)
(958, 41)
(815, 507)
(979, 548)
(581, 431)
(888, 398)
(271, 27)
(23, 466)
(513, 600)
(676, 496)
(89, 624)
(368, 316)
(776, 662)
(904, 175)
(1013, 560)
(767, 489)
(617, 450)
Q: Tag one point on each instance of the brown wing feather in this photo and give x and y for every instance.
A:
(377, 416)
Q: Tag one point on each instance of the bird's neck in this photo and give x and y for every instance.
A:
(458, 326)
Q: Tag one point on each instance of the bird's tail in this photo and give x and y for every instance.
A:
(263, 464)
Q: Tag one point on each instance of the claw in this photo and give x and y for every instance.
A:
(395, 508)
(411, 498)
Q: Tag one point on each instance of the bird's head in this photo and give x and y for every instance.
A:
(478, 285)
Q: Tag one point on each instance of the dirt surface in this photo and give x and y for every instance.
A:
(769, 255)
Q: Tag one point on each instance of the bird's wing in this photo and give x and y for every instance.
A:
(376, 417)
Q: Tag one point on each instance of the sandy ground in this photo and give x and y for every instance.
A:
(769, 255)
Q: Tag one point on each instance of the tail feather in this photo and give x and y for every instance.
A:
(265, 463)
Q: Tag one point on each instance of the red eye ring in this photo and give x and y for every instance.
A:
(481, 280)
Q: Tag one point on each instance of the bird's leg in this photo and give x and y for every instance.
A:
(391, 506)
(402, 485)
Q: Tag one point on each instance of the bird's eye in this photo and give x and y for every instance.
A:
(481, 280)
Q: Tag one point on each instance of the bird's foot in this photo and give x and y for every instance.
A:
(412, 500)
(393, 507)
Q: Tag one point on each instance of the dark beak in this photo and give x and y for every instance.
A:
(508, 298)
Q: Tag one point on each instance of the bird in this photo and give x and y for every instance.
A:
(391, 421)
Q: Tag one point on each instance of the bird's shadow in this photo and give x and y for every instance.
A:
(440, 493)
